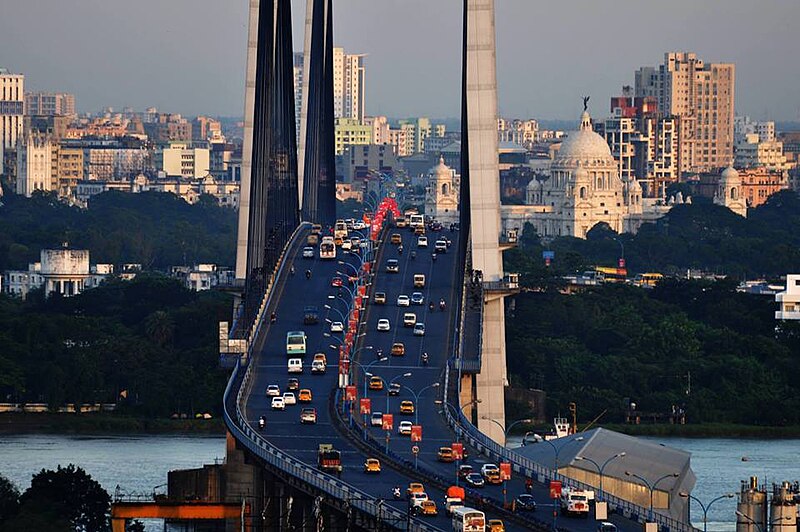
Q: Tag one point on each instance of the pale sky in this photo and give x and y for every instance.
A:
(188, 56)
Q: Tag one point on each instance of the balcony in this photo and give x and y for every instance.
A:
(509, 285)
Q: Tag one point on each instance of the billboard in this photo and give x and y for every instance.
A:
(505, 471)
(555, 489)
(458, 451)
(388, 422)
(350, 393)
(366, 407)
(416, 433)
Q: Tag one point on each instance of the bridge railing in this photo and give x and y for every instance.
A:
(238, 389)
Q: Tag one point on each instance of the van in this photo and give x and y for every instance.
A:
(419, 280)
(318, 366)
(295, 365)
(409, 319)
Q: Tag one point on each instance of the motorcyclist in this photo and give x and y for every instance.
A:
(400, 249)
(413, 255)
(273, 317)
(379, 353)
(424, 358)
(262, 422)
(441, 304)
(433, 256)
(396, 492)
(291, 270)
(430, 306)
(308, 274)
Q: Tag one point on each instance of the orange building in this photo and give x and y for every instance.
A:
(758, 184)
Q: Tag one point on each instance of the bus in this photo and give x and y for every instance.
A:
(612, 275)
(647, 280)
(340, 229)
(295, 343)
(417, 220)
(467, 519)
(327, 250)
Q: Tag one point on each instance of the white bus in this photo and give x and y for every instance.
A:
(327, 250)
(295, 343)
(340, 229)
(417, 220)
(467, 519)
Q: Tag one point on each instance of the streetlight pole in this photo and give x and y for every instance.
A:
(705, 507)
(506, 430)
(416, 399)
(556, 450)
(600, 468)
(651, 487)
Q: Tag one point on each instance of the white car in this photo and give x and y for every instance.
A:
(422, 242)
(417, 298)
(419, 329)
(278, 404)
(337, 326)
(487, 468)
(404, 428)
(376, 419)
(440, 246)
(418, 498)
(289, 398)
(383, 325)
(347, 245)
(273, 390)
(294, 365)
(308, 252)
(403, 300)
(409, 319)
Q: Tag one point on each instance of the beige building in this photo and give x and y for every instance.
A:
(729, 192)
(348, 85)
(179, 160)
(12, 107)
(702, 96)
(50, 103)
(754, 152)
(350, 132)
(522, 132)
(442, 193)
(34, 164)
(789, 300)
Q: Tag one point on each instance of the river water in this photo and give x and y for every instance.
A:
(140, 463)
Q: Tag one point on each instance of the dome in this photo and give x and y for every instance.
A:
(584, 144)
(441, 169)
(730, 174)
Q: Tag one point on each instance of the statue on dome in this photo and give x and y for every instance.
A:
(586, 102)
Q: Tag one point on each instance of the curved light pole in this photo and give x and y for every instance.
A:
(652, 486)
(506, 430)
(416, 399)
(387, 386)
(365, 369)
(705, 507)
(339, 312)
(757, 524)
(601, 468)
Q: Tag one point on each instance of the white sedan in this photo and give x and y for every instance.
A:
(273, 390)
(376, 419)
(404, 429)
(289, 398)
(308, 252)
(419, 329)
(422, 242)
(383, 325)
(337, 326)
(403, 300)
(278, 404)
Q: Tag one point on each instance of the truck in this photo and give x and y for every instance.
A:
(329, 460)
(575, 502)
(453, 499)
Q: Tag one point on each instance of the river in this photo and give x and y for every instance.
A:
(140, 463)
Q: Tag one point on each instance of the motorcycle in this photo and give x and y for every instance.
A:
(425, 359)
(273, 318)
(413, 255)
(262, 423)
(441, 304)
(433, 256)
(396, 492)
(430, 306)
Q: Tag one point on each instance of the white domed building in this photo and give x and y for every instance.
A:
(729, 192)
(584, 189)
(442, 193)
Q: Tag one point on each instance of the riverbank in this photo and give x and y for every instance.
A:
(100, 423)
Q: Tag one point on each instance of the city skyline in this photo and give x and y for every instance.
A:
(541, 74)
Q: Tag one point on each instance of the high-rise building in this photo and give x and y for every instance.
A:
(350, 132)
(298, 91)
(702, 96)
(49, 104)
(34, 164)
(12, 108)
(348, 85)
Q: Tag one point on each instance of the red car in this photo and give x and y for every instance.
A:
(336, 281)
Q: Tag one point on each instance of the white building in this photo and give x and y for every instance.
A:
(583, 189)
(34, 164)
(60, 271)
(179, 160)
(729, 192)
(789, 300)
(755, 152)
(442, 193)
(201, 277)
(12, 107)
(348, 85)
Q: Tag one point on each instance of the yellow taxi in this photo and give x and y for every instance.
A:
(445, 454)
(495, 525)
(372, 465)
(428, 508)
(304, 396)
(415, 487)
(407, 407)
(398, 349)
(375, 383)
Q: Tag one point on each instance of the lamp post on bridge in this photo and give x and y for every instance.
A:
(506, 431)
(557, 451)
(388, 386)
(458, 428)
(600, 468)
(706, 507)
(651, 487)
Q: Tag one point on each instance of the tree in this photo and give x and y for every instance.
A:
(9, 499)
(71, 494)
(159, 327)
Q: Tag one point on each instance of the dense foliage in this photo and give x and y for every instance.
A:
(157, 230)
(697, 345)
(67, 499)
(148, 344)
(699, 236)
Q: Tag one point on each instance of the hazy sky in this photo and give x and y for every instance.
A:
(188, 56)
